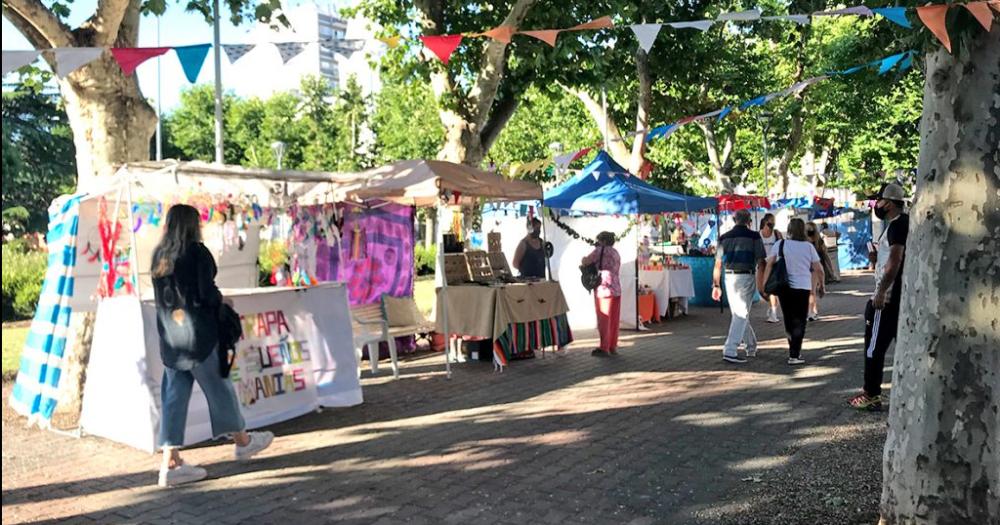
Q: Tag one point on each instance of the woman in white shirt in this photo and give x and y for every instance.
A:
(805, 275)
(770, 236)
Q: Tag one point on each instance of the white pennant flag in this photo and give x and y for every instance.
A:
(646, 34)
(15, 59)
(69, 59)
(235, 52)
(289, 50)
(697, 24)
(798, 19)
(708, 115)
(740, 16)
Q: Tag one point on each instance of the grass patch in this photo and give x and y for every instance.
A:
(13, 342)
(424, 295)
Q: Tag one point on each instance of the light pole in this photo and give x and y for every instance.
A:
(217, 59)
(764, 119)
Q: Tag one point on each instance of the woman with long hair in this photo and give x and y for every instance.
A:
(770, 236)
(188, 304)
(608, 295)
(805, 276)
(815, 238)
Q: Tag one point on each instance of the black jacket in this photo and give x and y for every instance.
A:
(187, 309)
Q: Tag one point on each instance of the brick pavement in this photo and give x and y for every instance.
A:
(664, 433)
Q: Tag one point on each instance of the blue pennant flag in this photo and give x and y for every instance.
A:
(660, 131)
(907, 62)
(759, 101)
(887, 63)
(894, 14)
(192, 58)
(725, 111)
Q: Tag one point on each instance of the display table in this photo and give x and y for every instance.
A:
(518, 318)
(669, 284)
(295, 355)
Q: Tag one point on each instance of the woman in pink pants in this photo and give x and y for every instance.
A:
(607, 296)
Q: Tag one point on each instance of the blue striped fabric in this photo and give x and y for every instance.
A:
(36, 390)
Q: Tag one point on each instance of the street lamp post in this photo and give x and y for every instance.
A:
(765, 118)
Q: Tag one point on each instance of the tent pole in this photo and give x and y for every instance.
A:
(545, 239)
(443, 311)
(638, 323)
(718, 233)
(133, 249)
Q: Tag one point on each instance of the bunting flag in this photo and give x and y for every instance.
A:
(16, 59)
(740, 16)
(344, 47)
(646, 34)
(129, 58)
(548, 36)
(391, 41)
(289, 50)
(660, 132)
(896, 15)
(798, 19)
(995, 4)
(601, 23)
(235, 52)
(888, 63)
(500, 34)
(563, 161)
(192, 58)
(906, 63)
(756, 101)
(702, 25)
(982, 12)
(933, 16)
(723, 112)
(858, 10)
(442, 45)
(69, 59)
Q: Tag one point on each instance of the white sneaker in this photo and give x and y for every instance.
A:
(258, 442)
(751, 352)
(171, 477)
(772, 316)
(796, 361)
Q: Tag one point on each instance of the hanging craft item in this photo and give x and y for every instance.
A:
(114, 262)
(358, 243)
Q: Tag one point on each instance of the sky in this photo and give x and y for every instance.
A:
(176, 28)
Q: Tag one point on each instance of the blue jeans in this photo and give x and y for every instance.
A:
(175, 393)
(740, 289)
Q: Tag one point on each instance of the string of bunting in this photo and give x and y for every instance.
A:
(576, 235)
(192, 57)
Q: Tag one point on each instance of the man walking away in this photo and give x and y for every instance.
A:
(741, 254)
(882, 311)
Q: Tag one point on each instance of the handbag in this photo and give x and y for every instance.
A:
(230, 331)
(590, 274)
(777, 282)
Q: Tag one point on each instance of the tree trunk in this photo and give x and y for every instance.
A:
(942, 455)
(718, 160)
(643, 104)
(795, 129)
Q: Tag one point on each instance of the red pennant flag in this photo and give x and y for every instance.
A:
(500, 34)
(442, 45)
(933, 17)
(982, 12)
(545, 35)
(600, 23)
(685, 120)
(129, 58)
(579, 154)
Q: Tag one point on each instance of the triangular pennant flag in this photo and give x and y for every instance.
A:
(563, 161)
(646, 34)
(858, 10)
(703, 25)
(600, 23)
(740, 16)
(545, 35)
(442, 45)
(391, 41)
(995, 4)
(907, 62)
(660, 132)
(580, 154)
(192, 58)
(289, 50)
(894, 14)
(982, 13)
(754, 102)
(235, 52)
(850, 70)
(15, 59)
(888, 63)
(725, 111)
(798, 19)
(500, 34)
(710, 114)
(933, 16)
(130, 58)
(69, 59)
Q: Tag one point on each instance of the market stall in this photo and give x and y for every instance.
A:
(296, 353)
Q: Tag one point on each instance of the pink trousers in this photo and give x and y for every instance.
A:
(608, 320)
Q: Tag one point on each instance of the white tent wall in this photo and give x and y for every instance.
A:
(565, 261)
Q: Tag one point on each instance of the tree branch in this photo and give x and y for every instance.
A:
(101, 29)
(502, 113)
(616, 146)
(38, 23)
(484, 92)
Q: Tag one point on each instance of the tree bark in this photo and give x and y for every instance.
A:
(719, 161)
(643, 104)
(942, 454)
(795, 128)
(111, 121)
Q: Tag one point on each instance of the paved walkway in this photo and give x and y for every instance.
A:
(664, 433)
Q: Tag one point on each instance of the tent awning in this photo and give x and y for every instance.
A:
(742, 202)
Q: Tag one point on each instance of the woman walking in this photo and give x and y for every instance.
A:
(187, 318)
(770, 236)
(608, 295)
(814, 236)
(805, 276)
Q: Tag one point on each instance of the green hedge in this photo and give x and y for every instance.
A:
(23, 273)
(423, 259)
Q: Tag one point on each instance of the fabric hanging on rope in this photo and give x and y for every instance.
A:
(129, 58)
(235, 52)
(70, 59)
(289, 50)
(442, 45)
(16, 59)
(192, 58)
(36, 390)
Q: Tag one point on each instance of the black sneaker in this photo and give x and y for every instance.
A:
(597, 352)
(734, 359)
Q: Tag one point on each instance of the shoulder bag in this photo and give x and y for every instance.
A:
(777, 282)
(590, 274)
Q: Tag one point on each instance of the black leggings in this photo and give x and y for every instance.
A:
(795, 309)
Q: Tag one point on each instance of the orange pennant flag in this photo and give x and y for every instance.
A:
(933, 16)
(500, 34)
(391, 41)
(982, 13)
(545, 35)
(600, 23)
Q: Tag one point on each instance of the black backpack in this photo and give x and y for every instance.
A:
(590, 275)
(230, 332)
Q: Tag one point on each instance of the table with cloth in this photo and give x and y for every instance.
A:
(669, 284)
(519, 318)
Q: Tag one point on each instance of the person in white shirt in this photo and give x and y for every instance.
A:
(805, 275)
(770, 236)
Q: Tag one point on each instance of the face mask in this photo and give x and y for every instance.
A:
(881, 212)
(534, 233)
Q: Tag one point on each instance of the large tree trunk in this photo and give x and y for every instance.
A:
(942, 455)
(719, 159)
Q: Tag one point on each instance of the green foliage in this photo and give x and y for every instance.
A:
(405, 120)
(23, 272)
(39, 162)
(424, 258)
